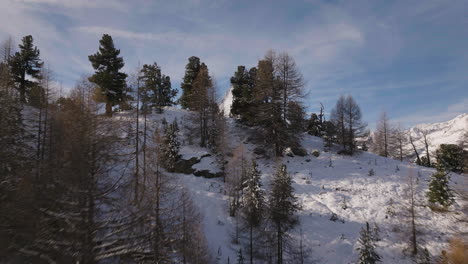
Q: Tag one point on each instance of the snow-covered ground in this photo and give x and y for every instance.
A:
(322, 189)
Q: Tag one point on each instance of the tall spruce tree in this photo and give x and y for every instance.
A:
(282, 207)
(242, 83)
(191, 71)
(367, 254)
(107, 65)
(25, 67)
(254, 204)
(156, 90)
(450, 157)
(439, 189)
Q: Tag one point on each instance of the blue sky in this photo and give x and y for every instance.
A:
(408, 58)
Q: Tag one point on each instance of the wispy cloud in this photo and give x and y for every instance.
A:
(432, 116)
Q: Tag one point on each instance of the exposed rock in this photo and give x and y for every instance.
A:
(185, 166)
(207, 174)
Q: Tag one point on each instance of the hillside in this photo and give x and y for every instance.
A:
(448, 132)
(323, 185)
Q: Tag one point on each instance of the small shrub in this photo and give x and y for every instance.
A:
(316, 153)
(345, 152)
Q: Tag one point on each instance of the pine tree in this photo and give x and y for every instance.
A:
(107, 64)
(242, 93)
(283, 205)
(329, 135)
(439, 189)
(240, 257)
(367, 254)
(450, 157)
(253, 203)
(25, 67)
(191, 71)
(170, 147)
(156, 90)
(314, 126)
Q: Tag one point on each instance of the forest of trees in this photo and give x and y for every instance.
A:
(80, 186)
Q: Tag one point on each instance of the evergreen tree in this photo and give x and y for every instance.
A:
(242, 93)
(439, 189)
(202, 101)
(268, 108)
(107, 64)
(329, 134)
(170, 147)
(191, 71)
(240, 257)
(367, 254)
(314, 127)
(156, 90)
(450, 157)
(25, 67)
(283, 205)
(253, 203)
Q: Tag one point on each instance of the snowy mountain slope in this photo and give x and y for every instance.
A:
(322, 190)
(226, 103)
(449, 132)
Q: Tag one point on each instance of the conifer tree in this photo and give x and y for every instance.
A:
(191, 71)
(25, 67)
(241, 93)
(283, 205)
(253, 203)
(450, 157)
(439, 189)
(157, 90)
(107, 65)
(240, 257)
(170, 147)
(367, 254)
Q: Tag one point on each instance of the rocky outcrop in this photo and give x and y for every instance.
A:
(185, 166)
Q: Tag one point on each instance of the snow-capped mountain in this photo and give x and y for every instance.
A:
(449, 132)
(226, 103)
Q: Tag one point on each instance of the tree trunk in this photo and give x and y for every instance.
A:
(279, 249)
(251, 244)
(108, 109)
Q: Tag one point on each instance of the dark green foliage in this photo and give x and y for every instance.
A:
(439, 190)
(450, 157)
(243, 82)
(253, 204)
(314, 126)
(26, 65)
(240, 257)
(170, 147)
(296, 118)
(330, 134)
(107, 64)
(367, 254)
(424, 162)
(253, 198)
(283, 205)
(156, 90)
(191, 71)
